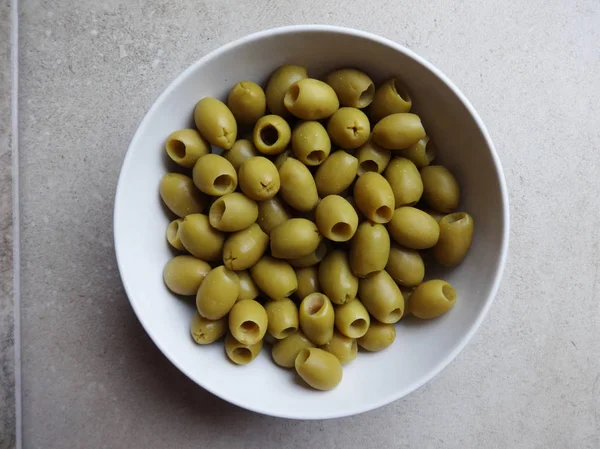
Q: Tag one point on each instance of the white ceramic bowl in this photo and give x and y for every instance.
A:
(422, 349)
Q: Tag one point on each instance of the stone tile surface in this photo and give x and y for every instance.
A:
(7, 350)
(92, 378)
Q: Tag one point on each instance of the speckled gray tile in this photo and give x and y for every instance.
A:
(7, 350)
(92, 378)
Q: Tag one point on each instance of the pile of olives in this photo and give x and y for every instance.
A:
(309, 234)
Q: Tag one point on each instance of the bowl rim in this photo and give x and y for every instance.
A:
(444, 362)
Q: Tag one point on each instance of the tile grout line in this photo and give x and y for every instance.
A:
(16, 221)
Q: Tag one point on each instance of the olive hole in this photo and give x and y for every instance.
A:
(217, 210)
(383, 214)
(173, 230)
(455, 217)
(341, 231)
(223, 183)
(314, 305)
(316, 157)
(287, 332)
(292, 94)
(448, 292)
(243, 355)
(366, 96)
(430, 150)
(290, 293)
(250, 328)
(399, 89)
(302, 357)
(176, 148)
(395, 315)
(366, 166)
(269, 135)
(359, 326)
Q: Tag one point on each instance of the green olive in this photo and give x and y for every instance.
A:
(353, 87)
(378, 337)
(248, 321)
(311, 99)
(180, 195)
(372, 157)
(381, 297)
(282, 157)
(186, 146)
(308, 281)
(259, 178)
(390, 98)
(432, 299)
(405, 181)
(311, 259)
(369, 249)
(336, 218)
(248, 289)
(218, 294)
(214, 175)
(344, 348)
(398, 131)
(200, 239)
(440, 188)
(421, 153)
(271, 134)
(298, 187)
(405, 266)
(295, 238)
(244, 248)
(414, 228)
(349, 128)
(275, 277)
(271, 213)
(241, 151)
(318, 368)
(233, 212)
(184, 274)
(215, 122)
(283, 318)
(336, 174)
(374, 197)
(317, 318)
(311, 143)
(205, 331)
(278, 85)
(456, 235)
(173, 236)
(240, 353)
(247, 102)
(352, 319)
(336, 278)
(285, 351)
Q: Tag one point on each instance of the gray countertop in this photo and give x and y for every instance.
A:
(91, 378)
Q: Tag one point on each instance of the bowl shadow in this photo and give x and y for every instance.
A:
(168, 387)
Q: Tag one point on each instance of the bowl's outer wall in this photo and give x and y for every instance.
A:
(421, 349)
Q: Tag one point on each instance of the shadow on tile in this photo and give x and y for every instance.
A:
(165, 386)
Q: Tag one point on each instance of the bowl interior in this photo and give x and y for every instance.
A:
(421, 349)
